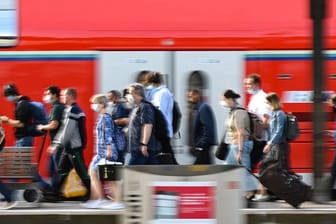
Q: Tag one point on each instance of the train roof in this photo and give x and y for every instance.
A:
(160, 24)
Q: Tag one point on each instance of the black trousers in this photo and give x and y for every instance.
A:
(203, 156)
(67, 161)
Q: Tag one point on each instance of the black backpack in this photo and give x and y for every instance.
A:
(292, 130)
(177, 116)
(160, 127)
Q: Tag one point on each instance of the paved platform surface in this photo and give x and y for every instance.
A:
(278, 212)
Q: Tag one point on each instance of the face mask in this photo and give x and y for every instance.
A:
(130, 99)
(223, 103)
(47, 99)
(110, 107)
(10, 98)
(95, 107)
(251, 91)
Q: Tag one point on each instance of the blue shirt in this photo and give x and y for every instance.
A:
(140, 115)
(104, 132)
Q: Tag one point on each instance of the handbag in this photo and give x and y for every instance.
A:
(73, 186)
(109, 171)
(222, 150)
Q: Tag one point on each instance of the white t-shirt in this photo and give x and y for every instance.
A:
(258, 106)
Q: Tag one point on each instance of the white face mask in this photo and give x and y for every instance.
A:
(47, 99)
(110, 107)
(251, 91)
(95, 107)
(10, 98)
(130, 99)
(223, 103)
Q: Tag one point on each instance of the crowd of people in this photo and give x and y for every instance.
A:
(125, 123)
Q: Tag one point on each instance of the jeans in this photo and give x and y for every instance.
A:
(6, 192)
(249, 183)
(137, 158)
(24, 142)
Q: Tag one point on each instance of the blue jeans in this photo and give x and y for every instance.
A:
(24, 142)
(137, 158)
(249, 183)
(6, 192)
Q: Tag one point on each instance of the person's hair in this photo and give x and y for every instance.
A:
(115, 93)
(256, 79)
(143, 77)
(230, 94)
(71, 92)
(138, 89)
(54, 90)
(274, 100)
(125, 92)
(10, 90)
(100, 99)
(155, 77)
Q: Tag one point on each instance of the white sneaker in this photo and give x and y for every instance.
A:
(112, 205)
(261, 197)
(7, 205)
(94, 203)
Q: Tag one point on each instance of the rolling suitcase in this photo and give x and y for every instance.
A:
(285, 185)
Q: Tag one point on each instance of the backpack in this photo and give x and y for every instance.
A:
(160, 126)
(177, 116)
(39, 116)
(256, 126)
(292, 130)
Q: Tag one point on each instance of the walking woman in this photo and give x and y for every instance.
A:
(238, 136)
(277, 148)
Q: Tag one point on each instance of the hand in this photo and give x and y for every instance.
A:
(51, 150)
(108, 153)
(330, 133)
(239, 157)
(39, 127)
(144, 150)
(267, 148)
(4, 118)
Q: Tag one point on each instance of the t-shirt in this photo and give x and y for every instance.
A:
(56, 114)
(258, 106)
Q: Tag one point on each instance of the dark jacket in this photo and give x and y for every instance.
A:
(204, 126)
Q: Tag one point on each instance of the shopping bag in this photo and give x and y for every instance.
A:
(109, 171)
(73, 186)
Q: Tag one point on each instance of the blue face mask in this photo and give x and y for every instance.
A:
(251, 91)
(10, 98)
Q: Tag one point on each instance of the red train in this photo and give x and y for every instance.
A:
(100, 45)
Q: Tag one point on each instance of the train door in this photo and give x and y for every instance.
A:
(213, 72)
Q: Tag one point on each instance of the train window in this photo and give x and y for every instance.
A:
(8, 23)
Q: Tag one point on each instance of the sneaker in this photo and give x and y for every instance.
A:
(112, 205)
(260, 198)
(7, 204)
(94, 203)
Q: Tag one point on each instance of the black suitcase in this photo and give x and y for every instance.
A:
(285, 185)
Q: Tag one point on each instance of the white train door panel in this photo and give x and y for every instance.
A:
(215, 71)
(118, 69)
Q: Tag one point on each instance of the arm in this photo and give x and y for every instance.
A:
(146, 131)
